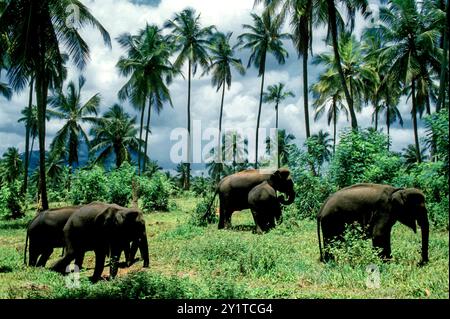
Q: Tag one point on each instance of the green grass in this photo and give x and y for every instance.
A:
(203, 262)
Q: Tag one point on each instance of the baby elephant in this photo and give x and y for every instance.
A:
(376, 208)
(265, 206)
(105, 229)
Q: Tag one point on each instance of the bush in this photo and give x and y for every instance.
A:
(154, 193)
(201, 216)
(89, 185)
(362, 157)
(354, 249)
(11, 201)
(120, 183)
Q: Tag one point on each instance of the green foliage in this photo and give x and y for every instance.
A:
(201, 185)
(201, 215)
(154, 193)
(438, 131)
(354, 249)
(120, 183)
(362, 156)
(429, 177)
(89, 185)
(11, 201)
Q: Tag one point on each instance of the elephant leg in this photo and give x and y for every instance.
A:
(228, 214)
(382, 239)
(221, 214)
(79, 260)
(61, 265)
(257, 220)
(100, 255)
(44, 257)
(34, 254)
(132, 252)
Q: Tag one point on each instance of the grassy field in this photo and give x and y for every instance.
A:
(195, 262)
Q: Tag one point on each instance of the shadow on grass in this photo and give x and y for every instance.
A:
(243, 228)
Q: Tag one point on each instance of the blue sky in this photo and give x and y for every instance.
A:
(241, 101)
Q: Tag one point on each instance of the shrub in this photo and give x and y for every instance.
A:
(89, 185)
(201, 216)
(354, 249)
(154, 193)
(200, 186)
(120, 183)
(11, 201)
(362, 156)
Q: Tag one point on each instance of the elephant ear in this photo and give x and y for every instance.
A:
(108, 220)
(400, 201)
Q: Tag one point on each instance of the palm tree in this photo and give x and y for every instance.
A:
(276, 94)
(326, 93)
(222, 59)
(147, 62)
(392, 115)
(284, 146)
(10, 165)
(36, 50)
(191, 40)
(411, 39)
(322, 150)
(182, 170)
(410, 157)
(114, 134)
(68, 107)
(304, 14)
(264, 37)
(235, 150)
(360, 75)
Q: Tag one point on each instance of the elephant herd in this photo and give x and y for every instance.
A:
(109, 229)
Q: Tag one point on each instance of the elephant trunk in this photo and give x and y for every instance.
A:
(425, 230)
(290, 200)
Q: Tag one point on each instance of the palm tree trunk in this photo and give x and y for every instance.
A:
(332, 24)
(276, 130)
(140, 136)
(444, 64)
(388, 125)
(259, 111)
(31, 148)
(376, 111)
(147, 132)
(305, 91)
(27, 140)
(219, 144)
(414, 119)
(41, 96)
(334, 125)
(188, 164)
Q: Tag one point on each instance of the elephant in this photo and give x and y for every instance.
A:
(265, 206)
(233, 191)
(105, 229)
(376, 208)
(45, 232)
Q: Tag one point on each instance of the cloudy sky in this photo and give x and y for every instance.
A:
(241, 101)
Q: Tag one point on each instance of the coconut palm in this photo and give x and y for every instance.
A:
(182, 173)
(326, 93)
(411, 38)
(391, 114)
(360, 75)
(114, 134)
(147, 63)
(69, 108)
(321, 151)
(235, 150)
(276, 94)
(36, 50)
(10, 165)
(410, 157)
(222, 60)
(191, 41)
(264, 37)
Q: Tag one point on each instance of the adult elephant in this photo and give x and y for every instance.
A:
(377, 208)
(105, 229)
(265, 206)
(233, 191)
(45, 232)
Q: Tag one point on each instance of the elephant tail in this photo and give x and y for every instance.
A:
(208, 211)
(318, 237)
